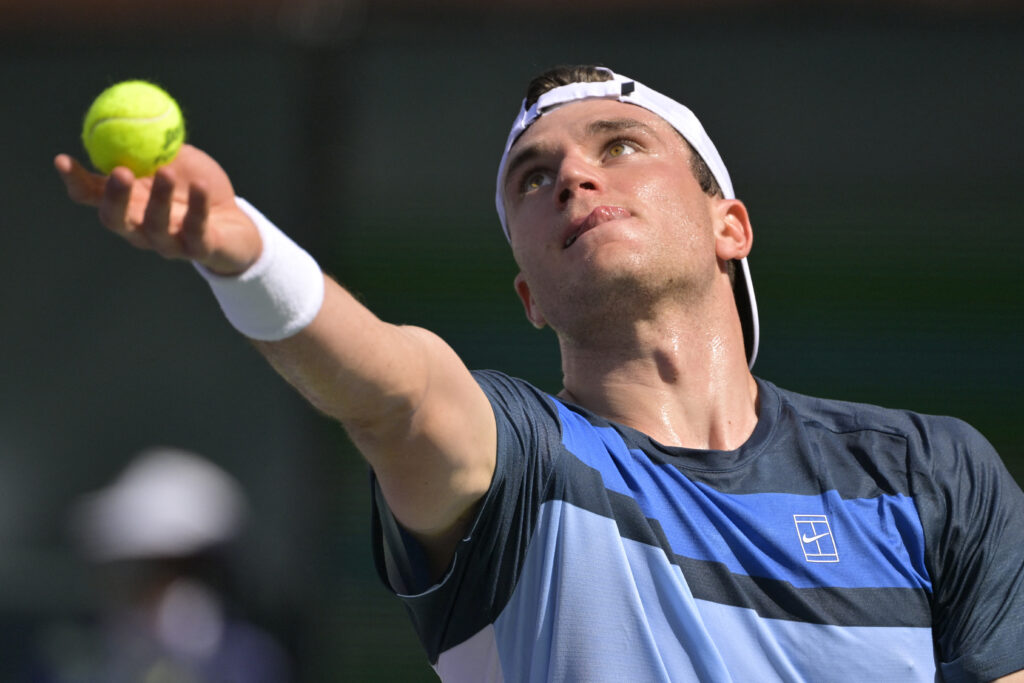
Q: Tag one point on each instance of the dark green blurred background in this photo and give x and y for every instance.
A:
(878, 151)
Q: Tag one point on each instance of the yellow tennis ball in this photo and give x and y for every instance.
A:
(134, 124)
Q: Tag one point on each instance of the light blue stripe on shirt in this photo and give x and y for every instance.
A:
(592, 606)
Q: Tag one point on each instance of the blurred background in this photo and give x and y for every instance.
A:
(877, 146)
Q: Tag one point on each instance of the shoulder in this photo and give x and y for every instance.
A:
(497, 384)
(924, 434)
(527, 418)
(514, 397)
(930, 457)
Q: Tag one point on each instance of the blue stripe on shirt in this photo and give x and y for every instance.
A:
(878, 541)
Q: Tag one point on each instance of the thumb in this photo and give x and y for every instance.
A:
(224, 240)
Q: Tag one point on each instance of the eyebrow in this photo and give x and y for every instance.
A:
(617, 126)
(598, 127)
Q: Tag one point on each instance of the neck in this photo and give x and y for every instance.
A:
(680, 383)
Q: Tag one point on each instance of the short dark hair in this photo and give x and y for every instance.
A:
(587, 73)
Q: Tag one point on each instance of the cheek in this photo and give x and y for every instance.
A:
(679, 213)
(530, 253)
(658, 187)
(527, 224)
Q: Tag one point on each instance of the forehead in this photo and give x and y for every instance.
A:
(573, 121)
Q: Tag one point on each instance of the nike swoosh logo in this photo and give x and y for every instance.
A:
(812, 539)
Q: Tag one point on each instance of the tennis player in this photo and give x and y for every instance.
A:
(666, 516)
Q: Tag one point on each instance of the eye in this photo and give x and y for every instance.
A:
(535, 180)
(620, 148)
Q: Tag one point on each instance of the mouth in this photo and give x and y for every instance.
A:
(601, 214)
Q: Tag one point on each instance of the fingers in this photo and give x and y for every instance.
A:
(82, 186)
(176, 218)
(156, 226)
(171, 212)
(193, 226)
(141, 212)
(113, 205)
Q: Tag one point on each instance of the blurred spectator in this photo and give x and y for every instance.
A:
(156, 536)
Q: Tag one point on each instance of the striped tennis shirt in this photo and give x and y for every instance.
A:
(841, 542)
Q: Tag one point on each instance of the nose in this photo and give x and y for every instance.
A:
(575, 176)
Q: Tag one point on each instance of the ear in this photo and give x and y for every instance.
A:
(530, 306)
(733, 235)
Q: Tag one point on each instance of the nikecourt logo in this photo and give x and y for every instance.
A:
(816, 539)
(812, 539)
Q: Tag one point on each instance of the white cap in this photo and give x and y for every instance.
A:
(166, 503)
(625, 89)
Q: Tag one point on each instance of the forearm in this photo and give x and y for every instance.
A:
(408, 403)
(349, 364)
(341, 357)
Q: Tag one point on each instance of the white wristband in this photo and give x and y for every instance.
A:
(276, 296)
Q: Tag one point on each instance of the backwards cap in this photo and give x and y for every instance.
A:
(625, 89)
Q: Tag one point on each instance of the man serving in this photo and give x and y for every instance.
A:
(666, 516)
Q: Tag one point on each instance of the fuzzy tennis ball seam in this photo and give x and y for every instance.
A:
(135, 124)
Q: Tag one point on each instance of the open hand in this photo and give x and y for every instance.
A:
(186, 211)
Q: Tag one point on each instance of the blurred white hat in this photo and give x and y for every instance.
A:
(166, 503)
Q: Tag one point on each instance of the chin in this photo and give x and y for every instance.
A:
(622, 265)
(605, 298)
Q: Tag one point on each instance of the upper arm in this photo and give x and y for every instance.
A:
(435, 458)
(409, 404)
(977, 554)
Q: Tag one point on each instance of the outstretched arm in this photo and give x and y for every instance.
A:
(405, 398)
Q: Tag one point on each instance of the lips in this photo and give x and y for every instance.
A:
(601, 214)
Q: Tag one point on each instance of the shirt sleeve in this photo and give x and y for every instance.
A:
(486, 564)
(976, 555)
